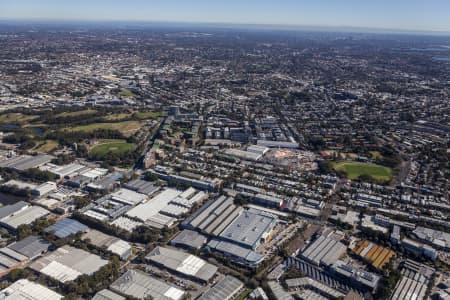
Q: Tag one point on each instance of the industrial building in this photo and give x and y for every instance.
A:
(249, 229)
(164, 209)
(376, 255)
(20, 213)
(18, 254)
(25, 289)
(126, 223)
(67, 263)
(359, 278)
(106, 294)
(111, 243)
(44, 189)
(278, 144)
(139, 285)
(106, 184)
(25, 162)
(419, 248)
(414, 281)
(189, 239)
(278, 291)
(213, 217)
(435, 238)
(236, 253)
(246, 155)
(207, 184)
(66, 227)
(236, 232)
(142, 186)
(186, 264)
(307, 283)
(326, 250)
(225, 289)
(113, 205)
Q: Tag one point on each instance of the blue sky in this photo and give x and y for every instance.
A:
(429, 15)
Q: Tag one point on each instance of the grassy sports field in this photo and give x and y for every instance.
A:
(111, 146)
(355, 169)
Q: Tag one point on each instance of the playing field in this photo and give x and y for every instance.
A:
(111, 146)
(127, 128)
(355, 169)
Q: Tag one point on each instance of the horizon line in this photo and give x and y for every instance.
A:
(286, 27)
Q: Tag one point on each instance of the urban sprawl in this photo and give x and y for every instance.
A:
(212, 164)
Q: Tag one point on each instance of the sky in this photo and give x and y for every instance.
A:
(423, 15)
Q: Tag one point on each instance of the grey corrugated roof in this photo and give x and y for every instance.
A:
(9, 209)
(31, 246)
(189, 238)
(224, 289)
(107, 295)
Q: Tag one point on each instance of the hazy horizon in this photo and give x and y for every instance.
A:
(381, 15)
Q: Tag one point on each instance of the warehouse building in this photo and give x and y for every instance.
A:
(374, 254)
(235, 253)
(18, 254)
(359, 278)
(186, 264)
(44, 189)
(140, 285)
(126, 224)
(107, 295)
(226, 289)
(67, 263)
(207, 184)
(21, 213)
(189, 239)
(414, 281)
(164, 209)
(66, 227)
(25, 289)
(307, 283)
(435, 238)
(249, 229)
(236, 232)
(213, 217)
(142, 186)
(111, 243)
(25, 162)
(278, 291)
(242, 154)
(113, 205)
(278, 144)
(326, 250)
(106, 184)
(65, 171)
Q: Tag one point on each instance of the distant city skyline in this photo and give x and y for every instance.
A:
(413, 15)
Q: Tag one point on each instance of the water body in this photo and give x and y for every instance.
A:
(38, 130)
(10, 126)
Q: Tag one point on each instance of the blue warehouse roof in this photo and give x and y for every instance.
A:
(66, 227)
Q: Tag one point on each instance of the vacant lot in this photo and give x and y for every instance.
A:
(355, 169)
(15, 118)
(127, 128)
(46, 146)
(77, 113)
(148, 115)
(111, 146)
